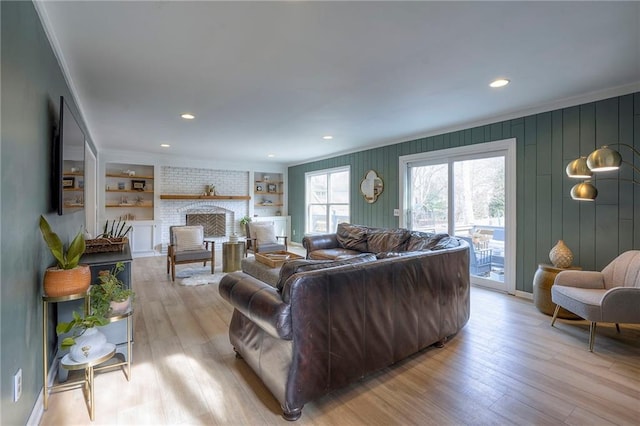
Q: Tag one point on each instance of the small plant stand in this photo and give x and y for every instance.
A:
(105, 354)
(46, 300)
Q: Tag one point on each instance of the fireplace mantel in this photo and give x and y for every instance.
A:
(203, 197)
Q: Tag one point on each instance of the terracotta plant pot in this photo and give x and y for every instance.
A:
(63, 282)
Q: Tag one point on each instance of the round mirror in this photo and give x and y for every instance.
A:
(371, 186)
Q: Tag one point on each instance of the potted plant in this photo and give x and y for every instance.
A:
(85, 340)
(243, 223)
(67, 277)
(110, 296)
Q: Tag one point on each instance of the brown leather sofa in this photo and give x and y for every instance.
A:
(331, 322)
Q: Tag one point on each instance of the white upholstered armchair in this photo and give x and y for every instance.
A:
(612, 295)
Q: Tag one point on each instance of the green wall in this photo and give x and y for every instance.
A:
(32, 83)
(546, 142)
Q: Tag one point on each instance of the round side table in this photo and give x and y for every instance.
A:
(232, 254)
(542, 283)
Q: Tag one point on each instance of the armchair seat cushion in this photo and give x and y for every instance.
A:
(267, 248)
(586, 303)
(193, 255)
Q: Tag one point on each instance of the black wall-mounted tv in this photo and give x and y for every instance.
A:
(68, 163)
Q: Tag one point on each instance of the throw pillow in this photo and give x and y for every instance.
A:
(424, 241)
(352, 237)
(387, 240)
(264, 232)
(301, 265)
(188, 238)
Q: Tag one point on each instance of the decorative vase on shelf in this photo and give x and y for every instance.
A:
(87, 345)
(560, 255)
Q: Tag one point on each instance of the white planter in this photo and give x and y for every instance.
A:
(119, 308)
(87, 345)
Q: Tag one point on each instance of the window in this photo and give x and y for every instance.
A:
(327, 199)
(469, 192)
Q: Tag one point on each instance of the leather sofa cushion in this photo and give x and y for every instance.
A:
(423, 240)
(301, 265)
(352, 237)
(387, 240)
(332, 254)
(447, 242)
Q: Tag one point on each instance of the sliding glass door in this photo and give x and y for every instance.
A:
(464, 194)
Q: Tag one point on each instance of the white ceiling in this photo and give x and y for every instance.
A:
(274, 77)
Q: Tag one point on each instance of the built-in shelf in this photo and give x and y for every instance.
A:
(203, 197)
(126, 176)
(130, 190)
(268, 192)
(129, 205)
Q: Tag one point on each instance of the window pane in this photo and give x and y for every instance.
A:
(338, 215)
(479, 213)
(317, 189)
(429, 203)
(339, 185)
(317, 220)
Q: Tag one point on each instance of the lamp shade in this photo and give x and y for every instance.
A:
(604, 159)
(584, 192)
(578, 169)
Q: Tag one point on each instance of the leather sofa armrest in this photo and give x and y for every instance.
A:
(580, 279)
(320, 242)
(259, 302)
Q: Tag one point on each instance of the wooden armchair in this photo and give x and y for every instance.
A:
(261, 238)
(186, 245)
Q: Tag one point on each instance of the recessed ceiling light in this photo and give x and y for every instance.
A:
(500, 82)
(271, 155)
(327, 137)
(165, 145)
(188, 116)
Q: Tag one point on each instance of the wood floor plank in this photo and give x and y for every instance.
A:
(506, 366)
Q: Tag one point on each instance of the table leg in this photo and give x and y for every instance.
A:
(129, 326)
(92, 412)
(45, 361)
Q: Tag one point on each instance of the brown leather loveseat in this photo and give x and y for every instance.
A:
(331, 322)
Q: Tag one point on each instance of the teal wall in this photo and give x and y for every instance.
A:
(32, 83)
(546, 142)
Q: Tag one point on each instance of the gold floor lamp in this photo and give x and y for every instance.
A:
(603, 159)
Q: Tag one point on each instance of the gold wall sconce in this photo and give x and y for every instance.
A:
(603, 159)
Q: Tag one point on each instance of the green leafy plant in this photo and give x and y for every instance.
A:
(79, 324)
(110, 289)
(66, 259)
(245, 220)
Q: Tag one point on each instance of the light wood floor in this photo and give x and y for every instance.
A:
(506, 366)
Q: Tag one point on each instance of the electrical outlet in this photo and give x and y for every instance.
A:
(396, 212)
(17, 385)
(294, 232)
